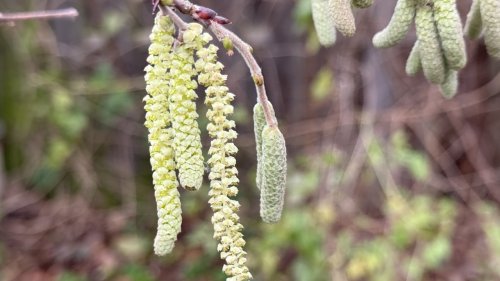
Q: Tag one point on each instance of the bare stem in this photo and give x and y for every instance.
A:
(48, 14)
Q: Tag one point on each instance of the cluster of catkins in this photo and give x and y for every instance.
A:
(176, 149)
(439, 51)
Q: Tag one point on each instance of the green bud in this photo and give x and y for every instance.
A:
(413, 63)
(449, 28)
(343, 19)
(490, 11)
(431, 55)
(474, 23)
(274, 164)
(322, 13)
(395, 31)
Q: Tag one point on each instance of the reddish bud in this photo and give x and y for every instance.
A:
(205, 13)
(221, 20)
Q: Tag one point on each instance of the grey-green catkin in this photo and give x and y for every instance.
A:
(433, 64)
(259, 121)
(343, 18)
(362, 4)
(490, 14)
(395, 31)
(474, 23)
(450, 84)
(274, 167)
(449, 27)
(413, 63)
(322, 13)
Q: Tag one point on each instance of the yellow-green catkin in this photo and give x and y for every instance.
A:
(450, 84)
(272, 191)
(449, 28)
(322, 14)
(160, 136)
(431, 56)
(474, 23)
(395, 31)
(413, 63)
(259, 121)
(223, 172)
(343, 19)
(490, 14)
(361, 4)
(182, 96)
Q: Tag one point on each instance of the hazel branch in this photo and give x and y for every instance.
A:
(48, 14)
(210, 19)
(246, 52)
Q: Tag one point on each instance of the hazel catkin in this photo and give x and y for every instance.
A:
(474, 23)
(431, 55)
(449, 27)
(490, 15)
(413, 63)
(274, 165)
(361, 4)
(322, 13)
(398, 26)
(259, 121)
(343, 19)
(158, 120)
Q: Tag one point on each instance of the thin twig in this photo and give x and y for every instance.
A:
(182, 25)
(48, 14)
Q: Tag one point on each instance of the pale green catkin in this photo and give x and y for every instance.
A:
(259, 121)
(449, 28)
(223, 172)
(450, 84)
(395, 31)
(187, 142)
(343, 19)
(413, 63)
(322, 14)
(490, 13)
(474, 23)
(361, 4)
(272, 191)
(433, 64)
(160, 136)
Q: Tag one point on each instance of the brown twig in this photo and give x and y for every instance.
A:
(34, 15)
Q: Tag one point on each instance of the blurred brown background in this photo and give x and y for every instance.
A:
(387, 180)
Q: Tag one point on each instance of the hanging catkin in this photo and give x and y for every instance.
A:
(490, 15)
(187, 143)
(450, 84)
(343, 19)
(160, 136)
(431, 55)
(449, 28)
(474, 23)
(413, 63)
(272, 191)
(259, 121)
(322, 13)
(223, 172)
(395, 31)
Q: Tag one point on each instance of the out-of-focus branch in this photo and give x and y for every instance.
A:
(35, 15)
